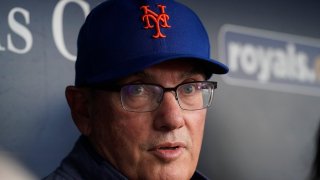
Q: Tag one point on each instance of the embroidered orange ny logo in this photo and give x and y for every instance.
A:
(158, 20)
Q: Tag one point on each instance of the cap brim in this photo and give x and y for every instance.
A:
(211, 66)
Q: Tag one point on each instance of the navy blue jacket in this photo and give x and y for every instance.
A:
(83, 163)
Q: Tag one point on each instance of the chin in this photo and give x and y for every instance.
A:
(165, 176)
(174, 175)
(167, 172)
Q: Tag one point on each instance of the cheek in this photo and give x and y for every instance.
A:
(120, 134)
(195, 121)
(130, 130)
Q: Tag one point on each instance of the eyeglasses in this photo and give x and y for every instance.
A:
(146, 97)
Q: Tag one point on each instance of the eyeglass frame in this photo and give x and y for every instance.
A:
(118, 88)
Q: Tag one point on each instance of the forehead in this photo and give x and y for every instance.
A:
(177, 69)
(175, 66)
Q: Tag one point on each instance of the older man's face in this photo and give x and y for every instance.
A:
(162, 144)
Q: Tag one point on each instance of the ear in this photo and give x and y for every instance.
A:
(78, 100)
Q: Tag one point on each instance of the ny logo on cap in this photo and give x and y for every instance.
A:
(159, 20)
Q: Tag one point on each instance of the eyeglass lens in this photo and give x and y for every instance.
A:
(147, 97)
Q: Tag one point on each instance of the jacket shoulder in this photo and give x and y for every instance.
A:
(60, 174)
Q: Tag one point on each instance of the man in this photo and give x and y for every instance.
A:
(140, 93)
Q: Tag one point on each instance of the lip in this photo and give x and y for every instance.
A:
(168, 151)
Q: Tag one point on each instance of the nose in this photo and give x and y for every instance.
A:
(169, 115)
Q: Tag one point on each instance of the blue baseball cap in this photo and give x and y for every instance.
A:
(122, 37)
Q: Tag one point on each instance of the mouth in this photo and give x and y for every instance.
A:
(169, 148)
(168, 151)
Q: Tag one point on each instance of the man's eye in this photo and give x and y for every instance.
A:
(188, 89)
(136, 90)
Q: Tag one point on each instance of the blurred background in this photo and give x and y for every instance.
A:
(266, 111)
